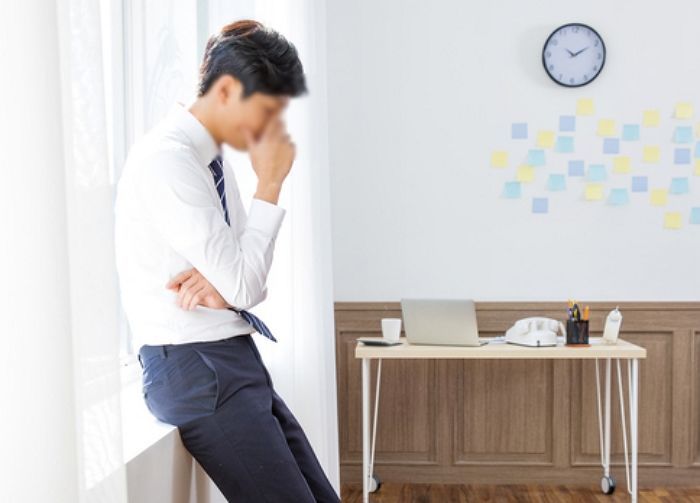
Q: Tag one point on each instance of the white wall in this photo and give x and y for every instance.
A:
(421, 93)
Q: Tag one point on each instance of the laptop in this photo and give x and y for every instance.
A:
(448, 322)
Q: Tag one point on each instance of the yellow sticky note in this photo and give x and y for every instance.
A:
(499, 159)
(697, 167)
(659, 197)
(584, 106)
(606, 127)
(621, 164)
(525, 174)
(545, 139)
(651, 118)
(684, 111)
(651, 153)
(594, 192)
(697, 130)
(672, 219)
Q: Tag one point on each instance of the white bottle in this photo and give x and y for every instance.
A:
(612, 326)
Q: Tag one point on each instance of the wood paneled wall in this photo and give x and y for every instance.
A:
(523, 421)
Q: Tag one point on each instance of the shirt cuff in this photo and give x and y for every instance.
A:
(265, 216)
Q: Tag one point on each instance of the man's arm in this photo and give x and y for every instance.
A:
(181, 208)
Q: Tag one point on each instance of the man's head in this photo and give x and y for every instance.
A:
(247, 76)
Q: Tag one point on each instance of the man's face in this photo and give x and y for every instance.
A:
(237, 113)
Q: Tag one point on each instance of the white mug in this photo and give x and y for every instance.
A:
(391, 329)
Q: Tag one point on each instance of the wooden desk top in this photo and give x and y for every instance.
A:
(499, 349)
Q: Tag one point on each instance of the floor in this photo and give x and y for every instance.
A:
(439, 493)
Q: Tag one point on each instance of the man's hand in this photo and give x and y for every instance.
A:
(272, 156)
(193, 289)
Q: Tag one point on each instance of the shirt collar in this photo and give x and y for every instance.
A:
(199, 136)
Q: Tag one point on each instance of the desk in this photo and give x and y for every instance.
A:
(498, 349)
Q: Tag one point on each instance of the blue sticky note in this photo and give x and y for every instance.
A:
(640, 184)
(540, 205)
(511, 190)
(681, 156)
(618, 197)
(630, 132)
(683, 134)
(596, 173)
(679, 185)
(695, 215)
(697, 150)
(518, 130)
(565, 144)
(535, 157)
(611, 146)
(556, 182)
(567, 123)
(576, 168)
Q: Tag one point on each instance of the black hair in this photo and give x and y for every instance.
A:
(262, 59)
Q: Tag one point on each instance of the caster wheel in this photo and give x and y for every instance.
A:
(607, 484)
(374, 484)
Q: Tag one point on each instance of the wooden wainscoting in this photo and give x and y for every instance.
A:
(516, 421)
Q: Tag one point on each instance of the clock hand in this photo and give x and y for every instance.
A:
(570, 53)
(579, 52)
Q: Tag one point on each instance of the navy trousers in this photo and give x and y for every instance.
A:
(220, 396)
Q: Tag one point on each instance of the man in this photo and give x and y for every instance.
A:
(191, 262)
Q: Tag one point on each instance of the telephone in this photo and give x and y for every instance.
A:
(535, 332)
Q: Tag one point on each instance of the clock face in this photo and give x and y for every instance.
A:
(573, 55)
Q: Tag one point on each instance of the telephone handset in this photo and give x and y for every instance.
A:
(535, 331)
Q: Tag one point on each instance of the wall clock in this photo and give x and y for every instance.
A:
(573, 55)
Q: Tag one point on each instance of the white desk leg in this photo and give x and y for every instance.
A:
(365, 430)
(606, 465)
(634, 422)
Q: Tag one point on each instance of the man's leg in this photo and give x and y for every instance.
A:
(299, 444)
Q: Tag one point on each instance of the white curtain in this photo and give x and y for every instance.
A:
(299, 306)
(92, 277)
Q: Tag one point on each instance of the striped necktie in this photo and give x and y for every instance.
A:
(217, 170)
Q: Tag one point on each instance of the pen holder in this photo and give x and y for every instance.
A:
(576, 332)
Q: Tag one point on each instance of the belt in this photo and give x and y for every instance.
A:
(162, 350)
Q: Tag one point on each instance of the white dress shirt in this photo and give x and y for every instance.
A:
(168, 218)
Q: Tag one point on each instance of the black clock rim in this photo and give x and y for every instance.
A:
(544, 47)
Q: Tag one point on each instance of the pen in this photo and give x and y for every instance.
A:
(586, 312)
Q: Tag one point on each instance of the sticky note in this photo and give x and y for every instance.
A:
(681, 156)
(540, 205)
(535, 157)
(556, 182)
(651, 154)
(695, 215)
(567, 123)
(499, 159)
(697, 130)
(683, 134)
(672, 220)
(565, 144)
(545, 139)
(611, 146)
(511, 190)
(684, 111)
(640, 184)
(606, 127)
(659, 197)
(518, 131)
(621, 164)
(584, 106)
(651, 118)
(618, 197)
(697, 150)
(596, 173)
(594, 192)
(697, 167)
(679, 185)
(525, 174)
(630, 132)
(576, 168)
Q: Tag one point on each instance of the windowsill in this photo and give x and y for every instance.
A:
(140, 429)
